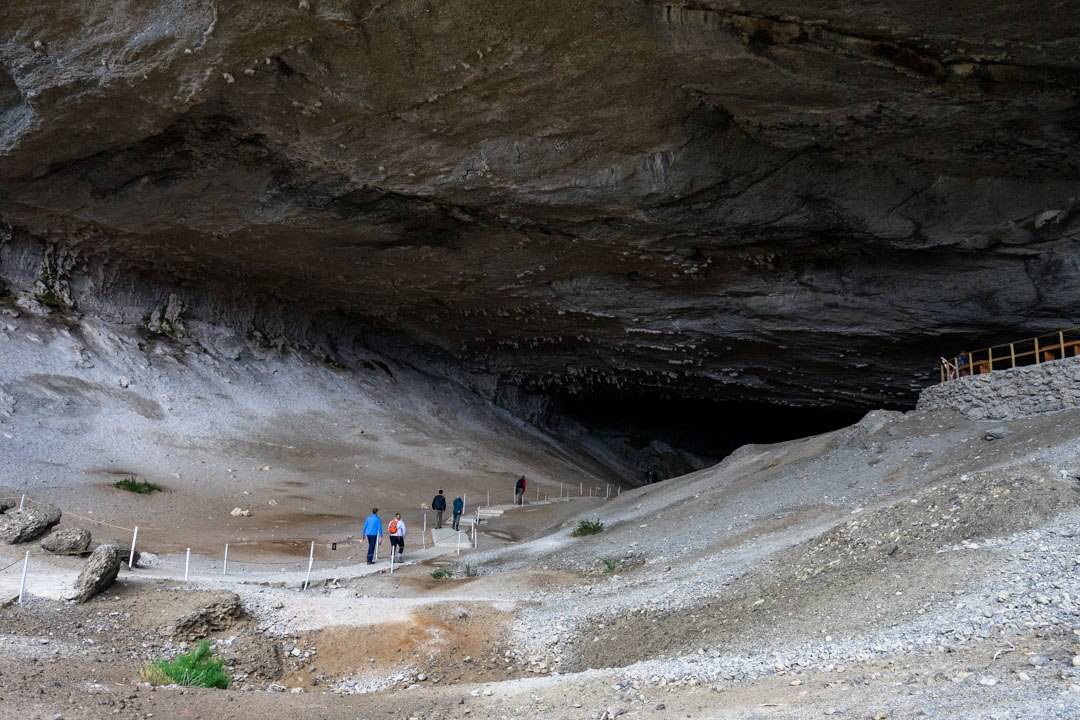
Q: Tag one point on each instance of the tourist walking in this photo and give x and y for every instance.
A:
(519, 491)
(459, 507)
(438, 504)
(396, 531)
(372, 531)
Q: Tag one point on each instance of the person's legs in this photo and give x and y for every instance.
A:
(438, 519)
(371, 540)
(457, 520)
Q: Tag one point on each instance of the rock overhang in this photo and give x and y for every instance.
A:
(759, 203)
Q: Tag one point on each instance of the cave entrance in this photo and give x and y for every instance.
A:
(665, 437)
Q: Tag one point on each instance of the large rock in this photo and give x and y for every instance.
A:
(30, 523)
(67, 541)
(219, 613)
(98, 574)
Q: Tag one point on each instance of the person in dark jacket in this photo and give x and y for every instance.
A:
(519, 491)
(438, 504)
(459, 507)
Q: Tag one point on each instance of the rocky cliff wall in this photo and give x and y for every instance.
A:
(1009, 394)
(754, 201)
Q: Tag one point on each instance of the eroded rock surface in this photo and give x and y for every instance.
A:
(67, 541)
(98, 574)
(755, 200)
(30, 523)
(219, 612)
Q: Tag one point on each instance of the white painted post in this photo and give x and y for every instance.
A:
(537, 493)
(464, 502)
(561, 488)
(489, 498)
(131, 555)
(225, 565)
(187, 564)
(22, 583)
(607, 491)
(581, 489)
(21, 501)
(378, 542)
(310, 562)
(619, 492)
(423, 536)
(459, 541)
(476, 536)
(392, 554)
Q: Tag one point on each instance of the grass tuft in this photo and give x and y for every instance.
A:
(587, 527)
(442, 574)
(611, 565)
(133, 484)
(469, 570)
(198, 668)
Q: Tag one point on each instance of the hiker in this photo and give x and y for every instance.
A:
(519, 491)
(372, 531)
(438, 504)
(396, 531)
(459, 507)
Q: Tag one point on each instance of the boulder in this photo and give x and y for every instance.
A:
(30, 523)
(99, 573)
(219, 613)
(67, 541)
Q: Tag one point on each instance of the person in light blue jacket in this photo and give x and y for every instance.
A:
(372, 530)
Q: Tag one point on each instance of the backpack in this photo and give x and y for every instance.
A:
(393, 526)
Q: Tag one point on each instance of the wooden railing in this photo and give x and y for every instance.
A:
(1033, 351)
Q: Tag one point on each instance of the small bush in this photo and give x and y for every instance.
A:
(469, 570)
(442, 574)
(611, 565)
(198, 668)
(133, 484)
(587, 527)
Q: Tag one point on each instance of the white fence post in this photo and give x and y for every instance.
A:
(607, 491)
(489, 498)
(378, 542)
(21, 501)
(187, 564)
(225, 565)
(392, 554)
(459, 541)
(310, 562)
(464, 502)
(22, 582)
(561, 488)
(618, 493)
(423, 535)
(581, 489)
(131, 555)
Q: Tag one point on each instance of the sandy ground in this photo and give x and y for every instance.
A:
(912, 565)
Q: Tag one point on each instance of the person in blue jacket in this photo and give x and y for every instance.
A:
(372, 530)
(459, 506)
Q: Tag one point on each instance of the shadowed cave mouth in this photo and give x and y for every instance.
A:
(665, 436)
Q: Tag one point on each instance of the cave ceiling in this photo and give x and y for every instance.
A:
(793, 202)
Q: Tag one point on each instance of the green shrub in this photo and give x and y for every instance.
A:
(587, 527)
(469, 570)
(133, 484)
(442, 574)
(198, 668)
(611, 565)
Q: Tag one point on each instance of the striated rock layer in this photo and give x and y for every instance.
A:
(762, 200)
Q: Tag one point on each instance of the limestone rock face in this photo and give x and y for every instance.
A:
(98, 574)
(804, 203)
(67, 541)
(30, 523)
